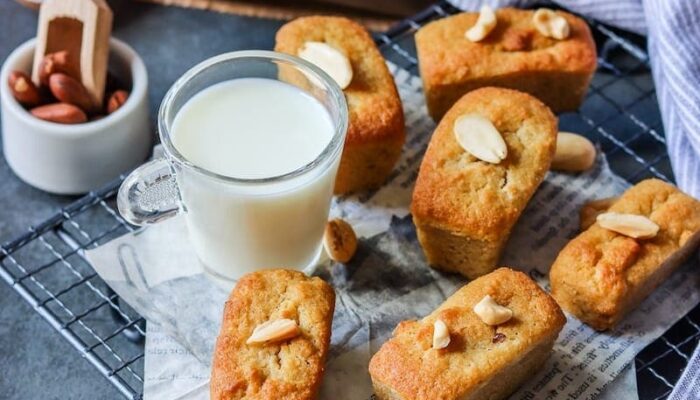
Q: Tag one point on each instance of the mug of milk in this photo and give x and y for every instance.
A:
(252, 143)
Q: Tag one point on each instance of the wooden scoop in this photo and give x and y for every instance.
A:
(82, 28)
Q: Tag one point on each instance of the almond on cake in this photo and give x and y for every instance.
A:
(514, 54)
(481, 360)
(274, 337)
(610, 268)
(376, 130)
(470, 191)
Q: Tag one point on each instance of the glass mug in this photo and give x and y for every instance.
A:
(241, 225)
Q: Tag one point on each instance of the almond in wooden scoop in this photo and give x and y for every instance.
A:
(69, 90)
(51, 64)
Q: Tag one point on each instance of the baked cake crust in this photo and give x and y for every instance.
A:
(601, 275)
(290, 369)
(514, 55)
(376, 130)
(473, 365)
(464, 208)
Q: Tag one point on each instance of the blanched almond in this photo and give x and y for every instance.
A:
(274, 331)
(483, 26)
(477, 135)
(491, 313)
(330, 60)
(551, 24)
(632, 225)
(574, 153)
(441, 335)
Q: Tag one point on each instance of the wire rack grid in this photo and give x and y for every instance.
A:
(47, 268)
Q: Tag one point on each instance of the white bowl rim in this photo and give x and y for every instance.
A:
(139, 88)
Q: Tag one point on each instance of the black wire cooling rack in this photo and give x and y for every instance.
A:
(47, 268)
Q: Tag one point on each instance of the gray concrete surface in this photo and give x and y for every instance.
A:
(35, 362)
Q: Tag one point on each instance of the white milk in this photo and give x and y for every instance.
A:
(254, 128)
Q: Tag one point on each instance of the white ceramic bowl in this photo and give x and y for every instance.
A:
(74, 159)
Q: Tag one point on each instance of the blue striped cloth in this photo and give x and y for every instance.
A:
(673, 31)
(672, 28)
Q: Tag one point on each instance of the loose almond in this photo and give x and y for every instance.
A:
(592, 209)
(330, 60)
(274, 331)
(483, 26)
(574, 153)
(61, 113)
(339, 240)
(23, 89)
(491, 313)
(551, 24)
(441, 335)
(51, 64)
(116, 100)
(632, 225)
(69, 90)
(477, 135)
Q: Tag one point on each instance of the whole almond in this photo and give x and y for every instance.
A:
(51, 64)
(274, 331)
(632, 225)
(62, 113)
(574, 153)
(339, 240)
(116, 100)
(480, 138)
(69, 90)
(590, 211)
(23, 89)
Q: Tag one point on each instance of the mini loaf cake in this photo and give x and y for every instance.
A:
(481, 343)
(376, 124)
(513, 55)
(464, 208)
(274, 337)
(601, 275)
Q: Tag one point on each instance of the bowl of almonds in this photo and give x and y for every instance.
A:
(58, 140)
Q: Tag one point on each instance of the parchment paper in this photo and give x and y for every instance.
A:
(388, 280)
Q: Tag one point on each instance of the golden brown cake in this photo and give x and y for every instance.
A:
(481, 361)
(514, 55)
(601, 275)
(286, 369)
(376, 125)
(464, 208)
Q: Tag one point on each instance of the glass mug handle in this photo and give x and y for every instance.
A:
(149, 194)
